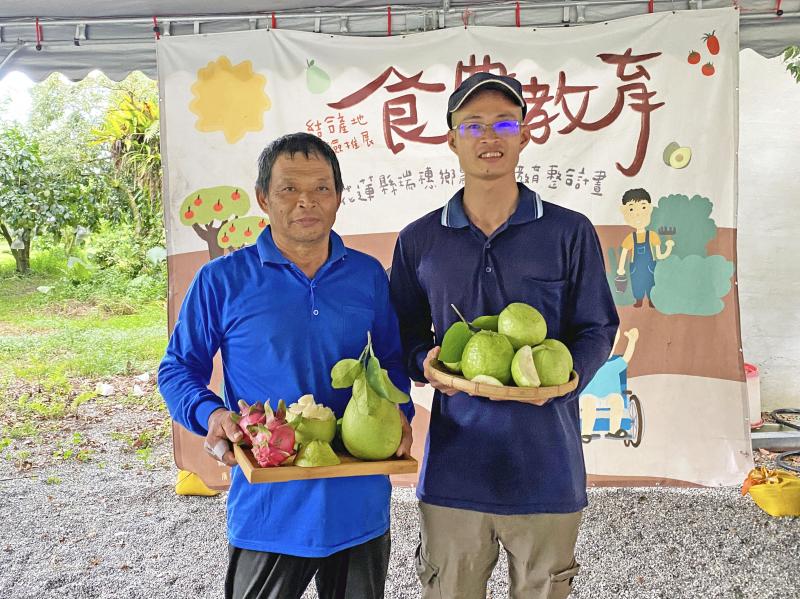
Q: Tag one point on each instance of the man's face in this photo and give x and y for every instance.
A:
(637, 213)
(489, 156)
(301, 201)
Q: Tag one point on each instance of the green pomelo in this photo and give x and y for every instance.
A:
(522, 324)
(523, 370)
(453, 342)
(487, 380)
(453, 366)
(556, 344)
(337, 444)
(552, 365)
(487, 323)
(316, 453)
(371, 426)
(490, 354)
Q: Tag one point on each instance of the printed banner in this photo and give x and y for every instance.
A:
(647, 103)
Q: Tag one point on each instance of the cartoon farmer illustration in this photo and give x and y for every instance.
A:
(644, 246)
(607, 391)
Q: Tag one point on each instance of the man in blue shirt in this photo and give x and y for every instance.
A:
(499, 471)
(282, 313)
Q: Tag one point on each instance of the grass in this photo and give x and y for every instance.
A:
(42, 337)
(55, 346)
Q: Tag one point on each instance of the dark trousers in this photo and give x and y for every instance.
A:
(355, 573)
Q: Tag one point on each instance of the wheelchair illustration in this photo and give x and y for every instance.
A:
(632, 424)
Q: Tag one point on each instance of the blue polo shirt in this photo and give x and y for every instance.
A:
(504, 457)
(280, 333)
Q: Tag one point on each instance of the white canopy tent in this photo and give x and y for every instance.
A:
(74, 37)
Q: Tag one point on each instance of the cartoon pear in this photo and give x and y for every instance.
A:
(317, 80)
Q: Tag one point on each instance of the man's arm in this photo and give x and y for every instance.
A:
(413, 310)
(185, 371)
(592, 319)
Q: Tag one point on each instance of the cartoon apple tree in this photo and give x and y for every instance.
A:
(241, 232)
(209, 209)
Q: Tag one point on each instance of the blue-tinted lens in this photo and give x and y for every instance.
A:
(506, 128)
(471, 129)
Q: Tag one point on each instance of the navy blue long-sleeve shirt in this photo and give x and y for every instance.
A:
(280, 333)
(504, 457)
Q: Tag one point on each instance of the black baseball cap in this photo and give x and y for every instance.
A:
(480, 81)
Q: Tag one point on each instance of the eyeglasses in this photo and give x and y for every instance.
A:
(500, 128)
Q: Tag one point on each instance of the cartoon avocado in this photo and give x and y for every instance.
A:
(317, 80)
(677, 156)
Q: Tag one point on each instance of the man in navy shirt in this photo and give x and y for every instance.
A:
(282, 313)
(499, 471)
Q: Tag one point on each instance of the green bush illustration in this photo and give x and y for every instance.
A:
(241, 232)
(691, 220)
(692, 285)
(207, 211)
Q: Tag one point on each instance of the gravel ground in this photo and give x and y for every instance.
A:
(119, 531)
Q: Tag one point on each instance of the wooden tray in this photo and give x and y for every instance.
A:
(534, 395)
(350, 466)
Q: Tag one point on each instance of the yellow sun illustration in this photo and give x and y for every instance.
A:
(229, 98)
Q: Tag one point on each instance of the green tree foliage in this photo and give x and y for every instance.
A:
(791, 56)
(130, 133)
(34, 200)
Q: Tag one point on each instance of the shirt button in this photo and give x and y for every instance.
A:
(315, 312)
(487, 246)
(488, 269)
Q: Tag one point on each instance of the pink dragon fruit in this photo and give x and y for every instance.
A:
(274, 442)
(250, 416)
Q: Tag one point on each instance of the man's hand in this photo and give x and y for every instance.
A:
(669, 243)
(428, 372)
(221, 430)
(407, 439)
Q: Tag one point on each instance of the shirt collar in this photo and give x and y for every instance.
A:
(269, 253)
(529, 208)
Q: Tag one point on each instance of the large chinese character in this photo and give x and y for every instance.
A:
(536, 95)
(487, 66)
(398, 112)
(635, 91)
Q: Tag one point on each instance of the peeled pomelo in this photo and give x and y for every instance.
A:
(523, 369)
(490, 354)
(487, 380)
(316, 453)
(311, 421)
(522, 324)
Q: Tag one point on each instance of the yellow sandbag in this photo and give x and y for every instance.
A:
(777, 493)
(189, 483)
